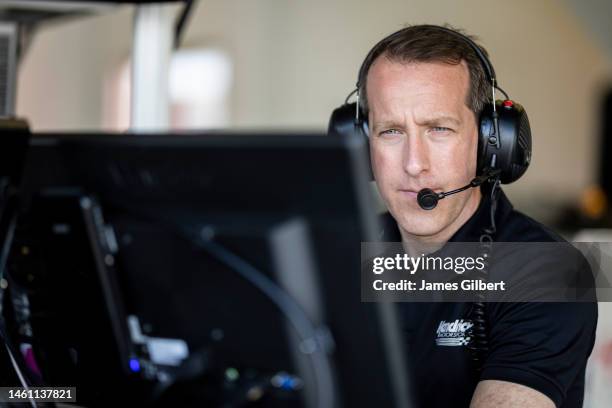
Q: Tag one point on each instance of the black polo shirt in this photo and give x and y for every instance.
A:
(544, 346)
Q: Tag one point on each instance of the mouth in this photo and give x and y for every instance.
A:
(410, 194)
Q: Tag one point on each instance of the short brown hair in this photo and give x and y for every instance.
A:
(428, 43)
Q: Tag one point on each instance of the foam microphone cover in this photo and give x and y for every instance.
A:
(427, 199)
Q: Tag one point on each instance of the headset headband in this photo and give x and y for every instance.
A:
(375, 52)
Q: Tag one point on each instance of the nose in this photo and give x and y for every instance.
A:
(416, 155)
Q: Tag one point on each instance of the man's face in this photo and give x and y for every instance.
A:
(422, 134)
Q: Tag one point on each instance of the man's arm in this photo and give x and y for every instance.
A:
(504, 394)
(538, 351)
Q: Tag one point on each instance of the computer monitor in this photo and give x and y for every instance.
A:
(217, 269)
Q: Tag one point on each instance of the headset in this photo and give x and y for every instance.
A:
(504, 134)
(504, 154)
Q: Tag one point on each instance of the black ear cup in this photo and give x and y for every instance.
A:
(510, 150)
(343, 121)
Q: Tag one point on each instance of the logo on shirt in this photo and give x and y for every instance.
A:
(455, 333)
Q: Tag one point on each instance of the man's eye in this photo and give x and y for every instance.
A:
(440, 129)
(390, 132)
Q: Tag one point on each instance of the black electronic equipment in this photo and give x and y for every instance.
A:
(216, 269)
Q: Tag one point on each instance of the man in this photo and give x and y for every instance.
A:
(423, 92)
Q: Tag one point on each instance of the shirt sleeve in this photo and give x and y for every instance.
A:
(543, 346)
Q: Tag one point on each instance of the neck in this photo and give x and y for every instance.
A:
(417, 244)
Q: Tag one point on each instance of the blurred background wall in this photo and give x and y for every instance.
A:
(287, 64)
(294, 61)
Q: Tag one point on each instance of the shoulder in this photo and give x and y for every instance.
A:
(537, 260)
(514, 226)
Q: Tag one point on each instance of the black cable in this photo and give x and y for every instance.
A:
(479, 345)
(17, 361)
(308, 334)
(502, 91)
(346, 101)
(493, 198)
(181, 21)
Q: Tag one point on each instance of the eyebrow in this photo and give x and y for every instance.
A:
(440, 119)
(386, 124)
(436, 120)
